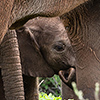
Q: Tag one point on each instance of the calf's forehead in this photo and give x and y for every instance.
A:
(44, 23)
(47, 29)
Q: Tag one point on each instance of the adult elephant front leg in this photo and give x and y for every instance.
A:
(11, 68)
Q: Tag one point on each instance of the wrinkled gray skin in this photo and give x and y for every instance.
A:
(14, 13)
(83, 28)
(44, 49)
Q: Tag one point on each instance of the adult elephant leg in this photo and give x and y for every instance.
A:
(31, 88)
(11, 68)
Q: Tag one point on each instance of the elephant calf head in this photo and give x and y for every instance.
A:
(45, 48)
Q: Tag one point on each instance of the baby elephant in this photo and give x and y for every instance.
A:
(45, 49)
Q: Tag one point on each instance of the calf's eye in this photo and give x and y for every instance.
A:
(59, 46)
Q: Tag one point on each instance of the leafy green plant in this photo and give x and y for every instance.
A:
(44, 96)
(51, 85)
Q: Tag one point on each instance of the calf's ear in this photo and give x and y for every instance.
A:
(33, 63)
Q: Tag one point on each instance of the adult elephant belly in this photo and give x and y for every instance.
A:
(18, 12)
(83, 31)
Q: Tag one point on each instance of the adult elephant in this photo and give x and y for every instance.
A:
(14, 13)
(83, 28)
(44, 49)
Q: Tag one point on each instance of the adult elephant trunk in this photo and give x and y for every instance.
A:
(11, 68)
